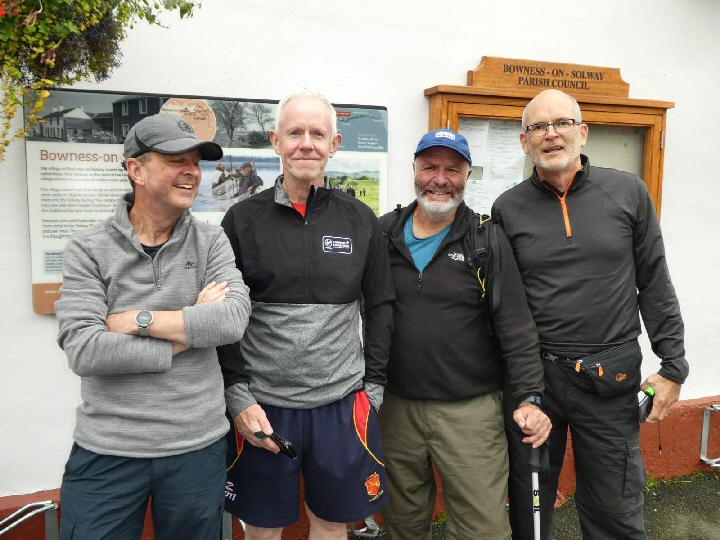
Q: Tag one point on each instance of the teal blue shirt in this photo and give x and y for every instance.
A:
(423, 249)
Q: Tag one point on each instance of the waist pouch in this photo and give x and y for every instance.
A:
(607, 373)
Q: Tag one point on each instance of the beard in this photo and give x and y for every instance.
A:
(572, 152)
(438, 211)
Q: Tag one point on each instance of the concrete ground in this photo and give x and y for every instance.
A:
(681, 509)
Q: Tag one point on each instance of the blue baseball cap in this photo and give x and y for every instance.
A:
(447, 138)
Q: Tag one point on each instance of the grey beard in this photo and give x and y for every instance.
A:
(437, 212)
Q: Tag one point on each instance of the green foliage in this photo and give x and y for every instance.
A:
(258, 139)
(442, 517)
(652, 483)
(49, 43)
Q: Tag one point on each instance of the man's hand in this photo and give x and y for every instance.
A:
(123, 323)
(214, 292)
(252, 420)
(177, 348)
(534, 423)
(667, 393)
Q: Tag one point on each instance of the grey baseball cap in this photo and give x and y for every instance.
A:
(167, 134)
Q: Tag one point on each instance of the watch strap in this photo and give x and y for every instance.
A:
(535, 399)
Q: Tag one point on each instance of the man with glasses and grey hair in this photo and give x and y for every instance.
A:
(590, 251)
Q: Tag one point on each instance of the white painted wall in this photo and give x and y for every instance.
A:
(387, 53)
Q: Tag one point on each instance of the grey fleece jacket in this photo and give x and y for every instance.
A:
(137, 399)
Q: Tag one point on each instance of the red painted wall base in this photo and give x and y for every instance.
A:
(680, 435)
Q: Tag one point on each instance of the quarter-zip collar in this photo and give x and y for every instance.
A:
(576, 183)
(282, 197)
(121, 222)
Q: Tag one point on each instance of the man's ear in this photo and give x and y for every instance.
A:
(335, 144)
(275, 140)
(135, 170)
(524, 143)
(583, 134)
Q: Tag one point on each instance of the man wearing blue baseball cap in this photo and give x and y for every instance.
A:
(442, 400)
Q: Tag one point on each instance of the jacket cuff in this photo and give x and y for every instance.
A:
(675, 370)
(238, 398)
(375, 393)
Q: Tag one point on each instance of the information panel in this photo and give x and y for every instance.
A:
(75, 175)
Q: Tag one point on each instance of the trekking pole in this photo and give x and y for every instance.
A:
(535, 469)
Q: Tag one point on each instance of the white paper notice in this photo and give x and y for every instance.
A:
(481, 194)
(476, 131)
(495, 147)
(505, 154)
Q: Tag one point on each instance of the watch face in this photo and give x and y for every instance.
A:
(144, 318)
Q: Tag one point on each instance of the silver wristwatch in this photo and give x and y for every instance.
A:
(144, 319)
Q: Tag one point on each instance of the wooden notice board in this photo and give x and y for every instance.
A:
(626, 134)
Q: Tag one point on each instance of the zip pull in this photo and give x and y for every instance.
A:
(578, 364)
(601, 372)
(157, 284)
(419, 281)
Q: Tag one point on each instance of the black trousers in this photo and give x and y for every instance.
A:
(608, 463)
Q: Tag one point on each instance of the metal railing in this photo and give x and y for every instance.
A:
(48, 508)
(706, 436)
(371, 529)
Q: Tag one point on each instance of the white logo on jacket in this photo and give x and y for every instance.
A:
(455, 256)
(336, 244)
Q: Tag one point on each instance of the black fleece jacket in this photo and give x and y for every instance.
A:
(441, 347)
(590, 272)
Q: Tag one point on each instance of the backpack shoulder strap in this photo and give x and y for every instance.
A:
(389, 220)
(483, 239)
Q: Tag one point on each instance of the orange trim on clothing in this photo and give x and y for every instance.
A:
(240, 442)
(563, 204)
(361, 416)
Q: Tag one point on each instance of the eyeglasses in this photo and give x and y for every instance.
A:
(563, 125)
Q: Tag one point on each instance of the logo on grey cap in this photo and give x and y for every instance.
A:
(182, 124)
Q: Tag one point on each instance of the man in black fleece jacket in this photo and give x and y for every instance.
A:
(589, 248)
(442, 402)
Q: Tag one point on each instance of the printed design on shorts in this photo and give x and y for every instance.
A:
(229, 493)
(620, 377)
(372, 483)
(336, 244)
(455, 256)
(361, 417)
(240, 443)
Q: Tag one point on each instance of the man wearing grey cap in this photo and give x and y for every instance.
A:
(442, 400)
(147, 295)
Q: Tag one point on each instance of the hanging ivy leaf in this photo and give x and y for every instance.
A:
(50, 43)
